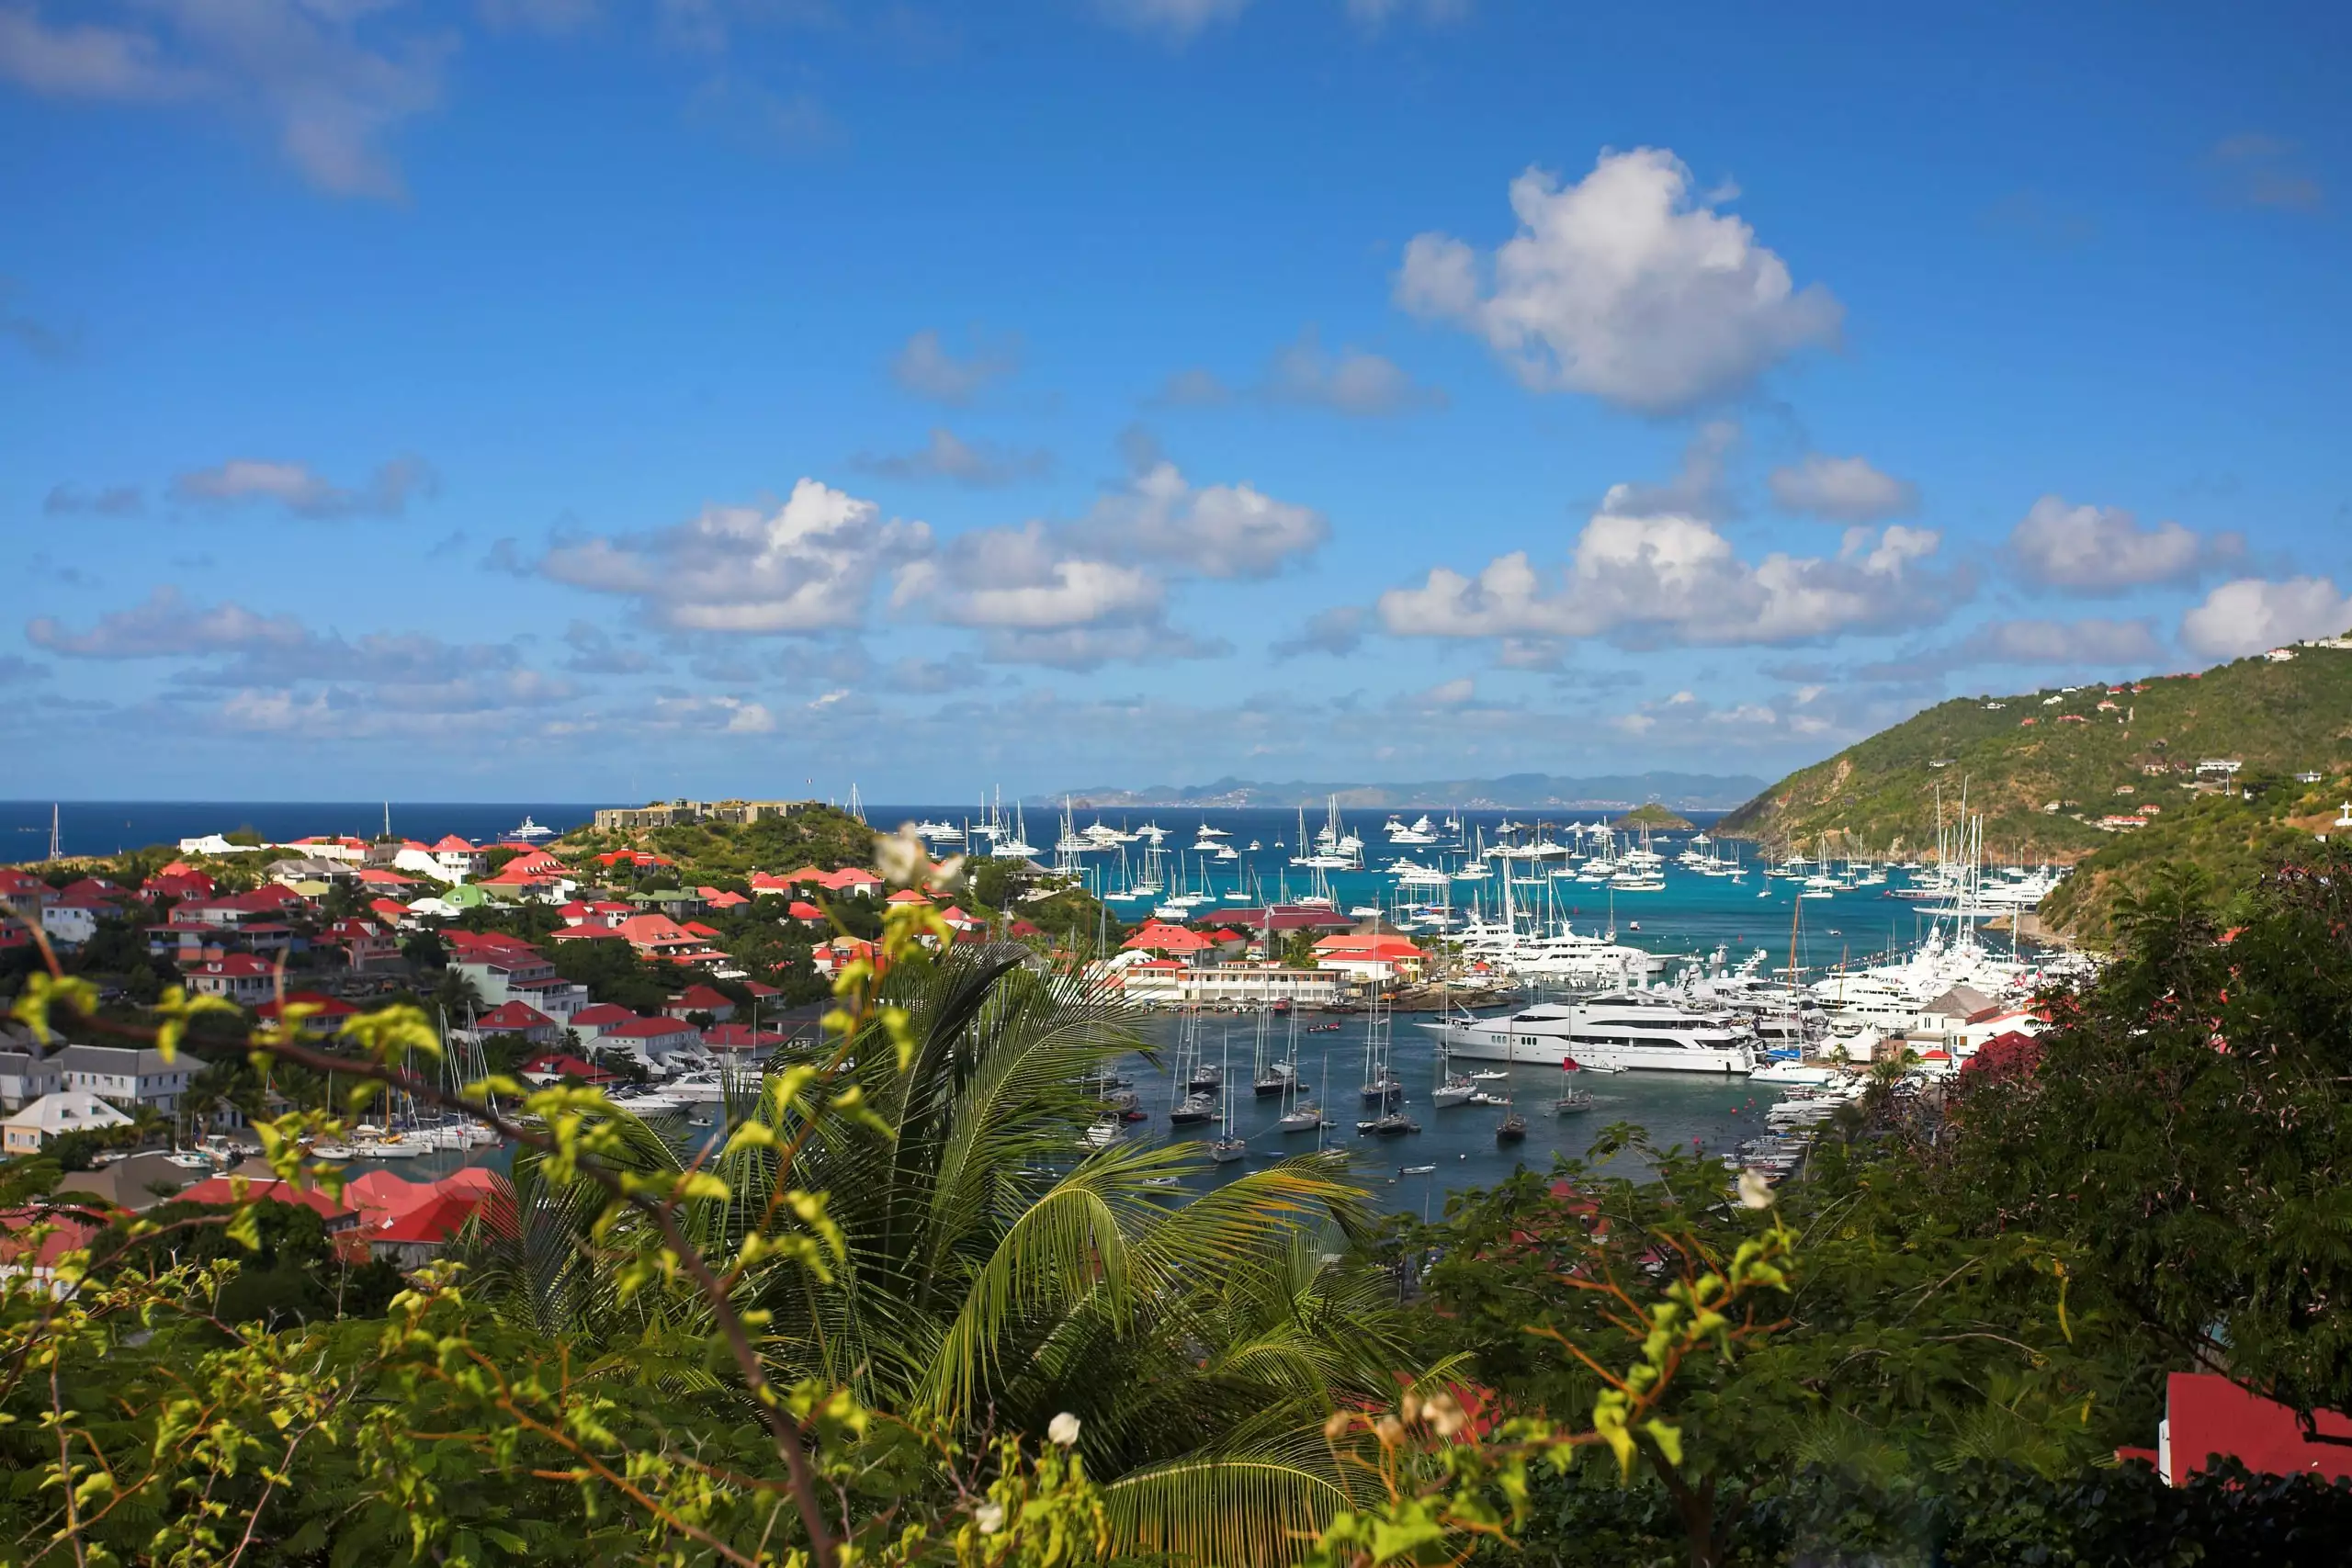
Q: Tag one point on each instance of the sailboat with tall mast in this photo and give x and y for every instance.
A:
(1227, 1147)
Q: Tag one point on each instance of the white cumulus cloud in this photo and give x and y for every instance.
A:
(1639, 574)
(2103, 549)
(2253, 614)
(809, 565)
(1848, 489)
(1219, 530)
(1624, 285)
(1027, 578)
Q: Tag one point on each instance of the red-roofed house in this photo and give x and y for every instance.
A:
(831, 957)
(849, 879)
(239, 976)
(365, 944)
(412, 1240)
(719, 898)
(25, 894)
(801, 909)
(1376, 958)
(593, 1019)
(555, 1067)
(959, 919)
(391, 911)
(659, 936)
(458, 860)
(602, 913)
(38, 1262)
(536, 863)
(906, 895)
(700, 998)
(178, 881)
(650, 1040)
(1158, 936)
(326, 1016)
(502, 967)
(520, 1018)
(220, 1191)
(527, 887)
(738, 1039)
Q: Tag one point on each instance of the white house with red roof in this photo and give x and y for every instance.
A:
(603, 913)
(1171, 941)
(365, 945)
(1379, 959)
(506, 968)
(557, 1067)
(239, 976)
(459, 860)
(517, 1017)
(659, 936)
(591, 1021)
(26, 895)
(849, 879)
(327, 1014)
(741, 1041)
(653, 1040)
(700, 998)
(832, 957)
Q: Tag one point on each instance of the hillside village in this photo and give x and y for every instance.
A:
(598, 958)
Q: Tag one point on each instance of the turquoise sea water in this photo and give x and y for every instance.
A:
(1691, 917)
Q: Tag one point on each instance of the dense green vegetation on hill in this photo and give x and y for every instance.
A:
(813, 834)
(2043, 768)
(1651, 816)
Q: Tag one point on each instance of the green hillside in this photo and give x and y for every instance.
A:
(2044, 767)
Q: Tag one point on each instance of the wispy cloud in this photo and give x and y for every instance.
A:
(2256, 170)
(304, 491)
(948, 456)
(335, 80)
(928, 369)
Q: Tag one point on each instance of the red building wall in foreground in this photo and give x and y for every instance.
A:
(2206, 1415)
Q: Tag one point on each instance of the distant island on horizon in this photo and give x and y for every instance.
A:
(1515, 791)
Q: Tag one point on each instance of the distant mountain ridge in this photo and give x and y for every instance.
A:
(1516, 792)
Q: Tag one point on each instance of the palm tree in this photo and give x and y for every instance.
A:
(997, 1273)
(455, 992)
(229, 1086)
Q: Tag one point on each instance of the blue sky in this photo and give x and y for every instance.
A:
(612, 398)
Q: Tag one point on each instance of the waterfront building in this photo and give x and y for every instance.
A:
(67, 1111)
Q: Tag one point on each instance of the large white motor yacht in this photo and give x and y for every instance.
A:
(1619, 1029)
